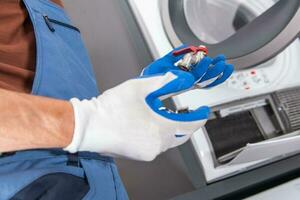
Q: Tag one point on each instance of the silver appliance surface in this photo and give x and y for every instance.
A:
(166, 24)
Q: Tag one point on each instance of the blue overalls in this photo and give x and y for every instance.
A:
(63, 71)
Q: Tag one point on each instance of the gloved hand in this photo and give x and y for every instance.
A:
(207, 73)
(126, 121)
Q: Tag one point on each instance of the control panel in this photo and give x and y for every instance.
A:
(249, 79)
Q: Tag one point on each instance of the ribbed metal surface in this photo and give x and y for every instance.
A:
(237, 130)
(289, 103)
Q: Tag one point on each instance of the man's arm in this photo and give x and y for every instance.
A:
(30, 122)
(128, 120)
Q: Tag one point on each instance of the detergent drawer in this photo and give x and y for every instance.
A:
(265, 118)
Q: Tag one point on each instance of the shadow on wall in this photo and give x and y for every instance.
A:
(115, 59)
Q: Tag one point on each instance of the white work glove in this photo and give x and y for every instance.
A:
(127, 121)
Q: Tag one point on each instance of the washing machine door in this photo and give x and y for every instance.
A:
(248, 32)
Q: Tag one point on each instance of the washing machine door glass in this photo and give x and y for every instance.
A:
(248, 32)
(213, 21)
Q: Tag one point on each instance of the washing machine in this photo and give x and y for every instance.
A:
(253, 133)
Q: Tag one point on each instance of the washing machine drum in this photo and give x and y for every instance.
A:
(248, 32)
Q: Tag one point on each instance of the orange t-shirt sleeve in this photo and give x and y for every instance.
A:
(17, 46)
(58, 2)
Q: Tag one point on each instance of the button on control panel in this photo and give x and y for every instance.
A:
(248, 80)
